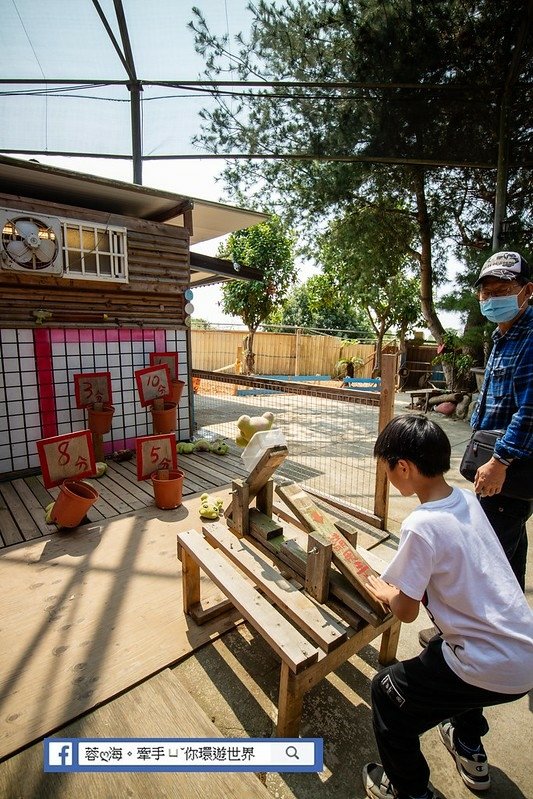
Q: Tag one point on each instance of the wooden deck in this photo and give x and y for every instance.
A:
(22, 501)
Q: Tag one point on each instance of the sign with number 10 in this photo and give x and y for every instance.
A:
(153, 383)
(67, 456)
(155, 452)
(171, 360)
(91, 388)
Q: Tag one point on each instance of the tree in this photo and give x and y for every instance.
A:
(319, 304)
(366, 253)
(419, 92)
(268, 247)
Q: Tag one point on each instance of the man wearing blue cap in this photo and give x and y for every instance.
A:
(505, 291)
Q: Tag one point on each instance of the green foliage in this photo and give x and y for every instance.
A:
(321, 305)
(268, 247)
(456, 55)
(200, 324)
(453, 354)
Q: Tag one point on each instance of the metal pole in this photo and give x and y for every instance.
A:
(501, 176)
(136, 131)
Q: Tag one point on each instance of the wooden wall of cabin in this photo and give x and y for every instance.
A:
(93, 326)
(158, 265)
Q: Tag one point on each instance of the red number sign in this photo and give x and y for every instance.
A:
(153, 383)
(92, 387)
(171, 360)
(155, 452)
(67, 456)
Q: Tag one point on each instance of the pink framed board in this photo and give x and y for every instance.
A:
(153, 383)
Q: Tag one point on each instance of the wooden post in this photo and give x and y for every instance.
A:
(319, 553)
(98, 446)
(389, 644)
(265, 498)
(290, 704)
(190, 581)
(386, 412)
(297, 354)
(240, 507)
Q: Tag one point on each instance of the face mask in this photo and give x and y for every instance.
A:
(500, 309)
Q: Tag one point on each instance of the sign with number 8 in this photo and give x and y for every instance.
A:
(70, 456)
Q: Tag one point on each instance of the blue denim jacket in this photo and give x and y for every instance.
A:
(509, 389)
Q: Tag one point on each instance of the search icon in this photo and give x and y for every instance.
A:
(291, 751)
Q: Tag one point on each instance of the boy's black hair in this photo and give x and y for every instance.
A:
(416, 439)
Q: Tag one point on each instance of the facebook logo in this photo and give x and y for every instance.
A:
(59, 753)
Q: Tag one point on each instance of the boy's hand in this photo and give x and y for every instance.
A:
(404, 607)
(381, 590)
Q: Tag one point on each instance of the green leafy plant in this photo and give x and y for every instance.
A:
(452, 353)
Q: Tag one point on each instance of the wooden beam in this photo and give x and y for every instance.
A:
(261, 473)
(290, 645)
(261, 526)
(327, 631)
(346, 558)
(386, 412)
(318, 566)
(173, 212)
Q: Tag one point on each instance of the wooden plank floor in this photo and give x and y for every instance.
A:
(22, 501)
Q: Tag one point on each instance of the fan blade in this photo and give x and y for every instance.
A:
(25, 227)
(46, 250)
(19, 251)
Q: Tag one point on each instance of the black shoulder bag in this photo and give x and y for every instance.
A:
(480, 449)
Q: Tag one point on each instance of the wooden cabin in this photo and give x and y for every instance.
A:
(95, 274)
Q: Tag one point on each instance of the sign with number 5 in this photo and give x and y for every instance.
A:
(91, 388)
(155, 452)
(68, 456)
(153, 383)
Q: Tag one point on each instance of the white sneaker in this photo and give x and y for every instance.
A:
(474, 769)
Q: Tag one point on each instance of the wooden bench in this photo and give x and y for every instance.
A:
(425, 395)
(362, 383)
(303, 664)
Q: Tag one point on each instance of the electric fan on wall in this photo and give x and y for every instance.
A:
(30, 243)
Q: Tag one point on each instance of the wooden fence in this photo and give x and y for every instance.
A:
(278, 353)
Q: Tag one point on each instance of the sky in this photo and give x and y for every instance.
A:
(159, 51)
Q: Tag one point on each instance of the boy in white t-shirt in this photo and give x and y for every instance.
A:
(450, 559)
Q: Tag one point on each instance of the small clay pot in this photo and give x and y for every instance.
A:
(74, 500)
(164, 419)
(176, 390)
(168, 488)
(100, 421)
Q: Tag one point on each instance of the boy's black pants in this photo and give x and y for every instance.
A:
(413, 696)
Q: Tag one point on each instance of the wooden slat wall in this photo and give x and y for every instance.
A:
(158, 263)
(277, 353)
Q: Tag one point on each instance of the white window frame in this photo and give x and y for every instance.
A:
(116, 241)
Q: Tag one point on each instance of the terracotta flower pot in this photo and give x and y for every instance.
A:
(100, 421)
(74, 500)
(177, 387)
(168, 488)
(165, 419)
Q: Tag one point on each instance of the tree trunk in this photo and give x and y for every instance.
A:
(248, 352)
(426, 267)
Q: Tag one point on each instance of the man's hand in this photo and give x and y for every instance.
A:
(490, 478)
